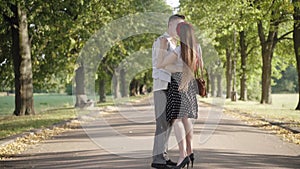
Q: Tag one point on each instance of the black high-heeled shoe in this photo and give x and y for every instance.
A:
(192, 158)
(186, 161)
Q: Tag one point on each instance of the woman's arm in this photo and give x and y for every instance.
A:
(169, 59)
(163, 45)
(173, 68)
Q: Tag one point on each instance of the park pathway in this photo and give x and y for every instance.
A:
(122, 137)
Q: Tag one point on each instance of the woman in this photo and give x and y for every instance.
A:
(182, 107)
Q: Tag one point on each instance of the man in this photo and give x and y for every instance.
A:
(161, 78)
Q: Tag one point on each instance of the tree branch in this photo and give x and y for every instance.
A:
(251, 39)
(252, 48)
(273, 2)
(284, 36)
(261, 32)
(109, 70)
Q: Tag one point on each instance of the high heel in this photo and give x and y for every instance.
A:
(192, 158)
(186, 161)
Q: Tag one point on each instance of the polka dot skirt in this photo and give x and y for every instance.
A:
(181, 103)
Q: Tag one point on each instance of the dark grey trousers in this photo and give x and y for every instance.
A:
(163, 128)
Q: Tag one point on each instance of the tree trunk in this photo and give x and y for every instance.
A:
(213, 85)
(266, 77)
(116, 86)
(296, 38)
(22, 63)
(243, 90)
(141, 89)
(228, 73)
(233, 70)
(102, 94)
(123, 85)
(219, 85)
(207, 82)
(267, 46)
(137, 84)
(81, 98)
(132, 87)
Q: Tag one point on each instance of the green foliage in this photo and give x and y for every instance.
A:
(6, 61)
(288, 82)
(218, 20)
(58, 31)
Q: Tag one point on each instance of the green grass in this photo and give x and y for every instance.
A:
(42, 102)
(50, 109)
(11, 125)
(282, 108)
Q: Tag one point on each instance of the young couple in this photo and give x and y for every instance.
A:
(175, 91)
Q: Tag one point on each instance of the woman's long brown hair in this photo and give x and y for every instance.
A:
(188, 46)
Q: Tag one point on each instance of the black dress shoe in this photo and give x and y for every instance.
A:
(169, 162)
(160, 166)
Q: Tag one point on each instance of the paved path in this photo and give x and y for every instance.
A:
(123, 138)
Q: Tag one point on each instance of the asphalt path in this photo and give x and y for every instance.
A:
(122, 137)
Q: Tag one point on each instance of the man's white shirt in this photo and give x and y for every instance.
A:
(161, 77)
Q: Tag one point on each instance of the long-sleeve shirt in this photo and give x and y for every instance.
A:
(161, 77)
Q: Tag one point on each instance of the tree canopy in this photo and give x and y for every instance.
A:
(249, 42)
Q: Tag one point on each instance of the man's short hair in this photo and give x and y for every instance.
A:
(176, 16)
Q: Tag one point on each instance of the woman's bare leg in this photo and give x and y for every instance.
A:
(181, 140)
(188, 126)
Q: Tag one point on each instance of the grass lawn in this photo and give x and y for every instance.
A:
(282, 108)
(50, 109)
(281, 112)
(11, 125)
(42, 102)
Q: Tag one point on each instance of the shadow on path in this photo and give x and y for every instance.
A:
(204, 159)
(232, 144)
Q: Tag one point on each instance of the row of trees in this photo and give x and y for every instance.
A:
(41, 41)
(253, 39)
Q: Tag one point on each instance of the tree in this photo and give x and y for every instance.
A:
(296, 38)
(39, 32)
(247, 46)
(121, 49)
(243, 47)
(234, 62)
(21, 53)
(228, 73)
(124, 88)
(258, 22)
(80, 88)
(277, 12)
(205, 16)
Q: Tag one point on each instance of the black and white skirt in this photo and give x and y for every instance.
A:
(181, 103)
